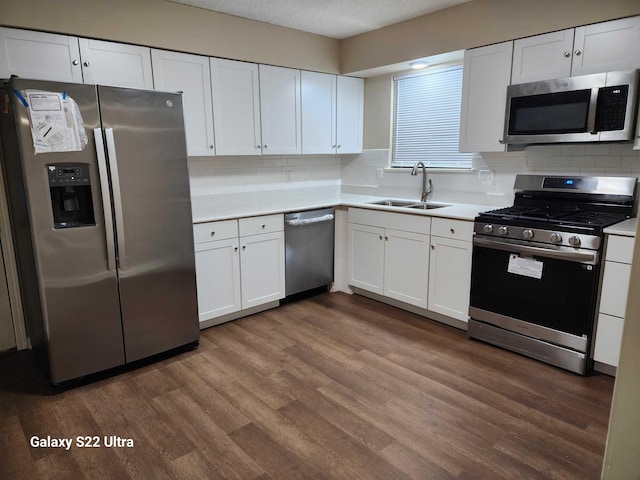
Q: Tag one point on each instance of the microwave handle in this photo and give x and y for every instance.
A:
(593, 104)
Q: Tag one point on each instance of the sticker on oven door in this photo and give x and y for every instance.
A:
(527, 267)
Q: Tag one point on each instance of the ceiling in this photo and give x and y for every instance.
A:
(331, 18)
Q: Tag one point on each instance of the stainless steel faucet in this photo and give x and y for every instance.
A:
(425, 191)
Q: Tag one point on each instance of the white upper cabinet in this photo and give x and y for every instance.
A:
(332, 113)
(280, 110)
(607, 47)
(487, 73)
(350, 112)
(41, 56)
(190, 75)
(116, 64)
(318, 113)
(236, 107)
(601, 47)
(542, 57)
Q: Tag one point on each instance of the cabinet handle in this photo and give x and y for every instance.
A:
(235, 249)
(76, 62)
(339, 146)
(433, 247)
(452, 230)
(567, 54)
(244, 247)
(258, 146)
(213, 233)
(86, 64)
(500, 140)
(333, 146)
(265, 146)
(380, 237)
(578, 52)
(211, 147)
(386, 238)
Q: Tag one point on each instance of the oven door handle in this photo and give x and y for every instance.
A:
(570, 254)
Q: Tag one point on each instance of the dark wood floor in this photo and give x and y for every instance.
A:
(332, 387)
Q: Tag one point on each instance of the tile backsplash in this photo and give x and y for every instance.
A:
(491, 180)
(215, 175)
(489, 183)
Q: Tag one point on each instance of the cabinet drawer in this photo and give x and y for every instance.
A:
(212, 231)
(397, 221)
(449, 228)
(264, 224)
(608, 339)
(619, 249)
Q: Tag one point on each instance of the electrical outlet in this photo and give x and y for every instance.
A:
(487, 177)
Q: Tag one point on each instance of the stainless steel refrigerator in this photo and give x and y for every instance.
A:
(103, 233)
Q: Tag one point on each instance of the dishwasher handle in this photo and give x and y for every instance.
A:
(295, 222)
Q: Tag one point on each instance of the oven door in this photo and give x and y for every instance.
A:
(544, 292)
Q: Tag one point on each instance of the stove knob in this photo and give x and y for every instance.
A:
(556, 237)
(504, 231)
(488, 228)
(527, 234)
(574, 241)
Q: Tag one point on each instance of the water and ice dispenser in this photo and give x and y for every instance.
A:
(71, 199)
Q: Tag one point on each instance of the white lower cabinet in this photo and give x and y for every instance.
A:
(239, 264)
(389, 254)
(450, 267)
(218, 278)
(262, 268)
(421, 261)
(613, 299)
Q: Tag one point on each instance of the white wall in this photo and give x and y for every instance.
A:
(359, 173)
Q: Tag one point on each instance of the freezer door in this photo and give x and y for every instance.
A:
(144, 133)
(69, 293)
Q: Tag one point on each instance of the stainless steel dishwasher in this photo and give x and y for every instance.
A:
(309, 239)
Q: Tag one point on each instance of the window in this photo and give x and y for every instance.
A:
(426, 119)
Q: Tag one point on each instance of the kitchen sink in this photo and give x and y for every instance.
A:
(408, 204)
(393, 203)
(426, 206)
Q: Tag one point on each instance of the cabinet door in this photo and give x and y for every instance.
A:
(350, 114)
(262, 268)
(406, 267)
(607, 46)
(41, 56)
(318, 113)
(608, 339)
(218, 278)
(543, 57)
(116, 64)
(487, 73)
(236, 107)
(450, 277)
(190, 75)
(280, 110)
(615, 286)
(366, 257)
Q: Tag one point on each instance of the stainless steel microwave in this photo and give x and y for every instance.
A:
(601, 107)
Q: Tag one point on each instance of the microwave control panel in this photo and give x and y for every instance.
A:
(612, 108)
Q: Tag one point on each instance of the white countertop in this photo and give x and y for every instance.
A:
(227, 206)
(626, 228)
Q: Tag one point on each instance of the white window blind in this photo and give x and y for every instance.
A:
(426, 119)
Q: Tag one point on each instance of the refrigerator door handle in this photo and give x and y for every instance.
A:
(106, 198)
(117, 197)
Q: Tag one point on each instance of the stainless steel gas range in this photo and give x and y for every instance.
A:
(536, 266)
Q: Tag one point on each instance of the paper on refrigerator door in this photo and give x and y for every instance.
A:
(527, 267)
(56, 123)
